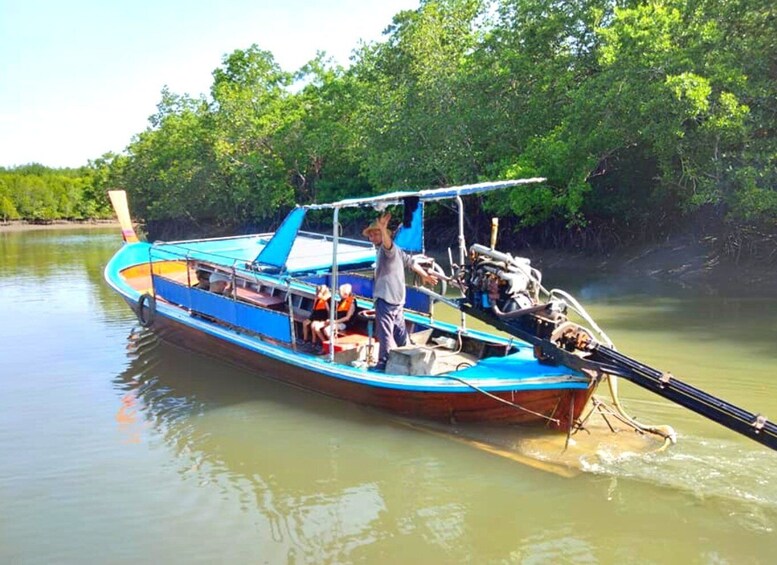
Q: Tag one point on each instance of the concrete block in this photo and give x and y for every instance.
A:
(411, 360)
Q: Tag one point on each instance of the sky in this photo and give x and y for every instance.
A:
(79, 78)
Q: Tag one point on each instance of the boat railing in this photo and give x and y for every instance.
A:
(266, 305)
(288, 296)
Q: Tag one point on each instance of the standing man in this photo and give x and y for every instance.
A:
(389, 287)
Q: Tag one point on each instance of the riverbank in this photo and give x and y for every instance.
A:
(21, 225)
(683, 260)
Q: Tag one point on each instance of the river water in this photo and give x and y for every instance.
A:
(118, 448)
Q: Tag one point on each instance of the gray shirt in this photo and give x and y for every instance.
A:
(390, 274)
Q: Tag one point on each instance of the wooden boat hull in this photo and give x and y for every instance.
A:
(555, 409)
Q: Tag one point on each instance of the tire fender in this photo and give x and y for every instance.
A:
(146, 309)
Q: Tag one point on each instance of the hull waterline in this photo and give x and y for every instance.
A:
(554, 409)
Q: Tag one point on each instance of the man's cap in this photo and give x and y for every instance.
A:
(372, 227)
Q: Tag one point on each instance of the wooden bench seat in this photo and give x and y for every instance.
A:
(349, 340)
(259, 298)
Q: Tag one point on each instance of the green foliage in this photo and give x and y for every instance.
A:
(638, 113)
(216, 160)
(37, 193)
(322, 150)
(252, 108)
(169, 168)
(649, 87)
(8, 209)
(415, 104)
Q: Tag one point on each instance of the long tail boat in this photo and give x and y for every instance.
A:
(539, 365)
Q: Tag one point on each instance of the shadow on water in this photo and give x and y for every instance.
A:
(227, 424)
(639, 304)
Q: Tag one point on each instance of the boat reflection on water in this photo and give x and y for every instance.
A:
(179, 394)
(323, 479)
(289, 455)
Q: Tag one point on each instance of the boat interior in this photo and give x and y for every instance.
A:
(272, 308)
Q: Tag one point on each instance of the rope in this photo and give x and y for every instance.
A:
(502, 400)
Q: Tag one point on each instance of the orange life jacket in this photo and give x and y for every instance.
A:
(320, 304)
(345, 304)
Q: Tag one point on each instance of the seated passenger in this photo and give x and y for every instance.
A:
(203, 280)
(219, 283)
(344, 315)
(320, 312)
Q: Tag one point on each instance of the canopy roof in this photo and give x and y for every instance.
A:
(278, 251)
(431, 194)
(309, 252)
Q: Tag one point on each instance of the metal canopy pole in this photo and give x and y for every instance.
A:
(333, 301)
(462, 250)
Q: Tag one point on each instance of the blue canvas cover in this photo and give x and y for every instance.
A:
(522, 365)
(223, 308)
(277, 250)
(411, 239)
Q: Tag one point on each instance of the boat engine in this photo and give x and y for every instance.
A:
(509, 287)
(508, 282)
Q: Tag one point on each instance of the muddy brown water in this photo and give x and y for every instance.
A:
(115, 447)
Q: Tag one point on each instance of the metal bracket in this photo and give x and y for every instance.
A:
(759, 422)
(595, 374)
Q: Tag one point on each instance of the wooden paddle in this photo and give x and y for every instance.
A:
(119, 202)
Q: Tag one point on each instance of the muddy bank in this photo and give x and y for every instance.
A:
(19, 225)
(682, 260)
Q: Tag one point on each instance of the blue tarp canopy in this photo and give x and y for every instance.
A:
(295, 251)
(276, 252)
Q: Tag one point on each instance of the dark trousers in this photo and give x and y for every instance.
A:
(391, 330)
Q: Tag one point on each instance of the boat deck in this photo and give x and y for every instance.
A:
(355, 344)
